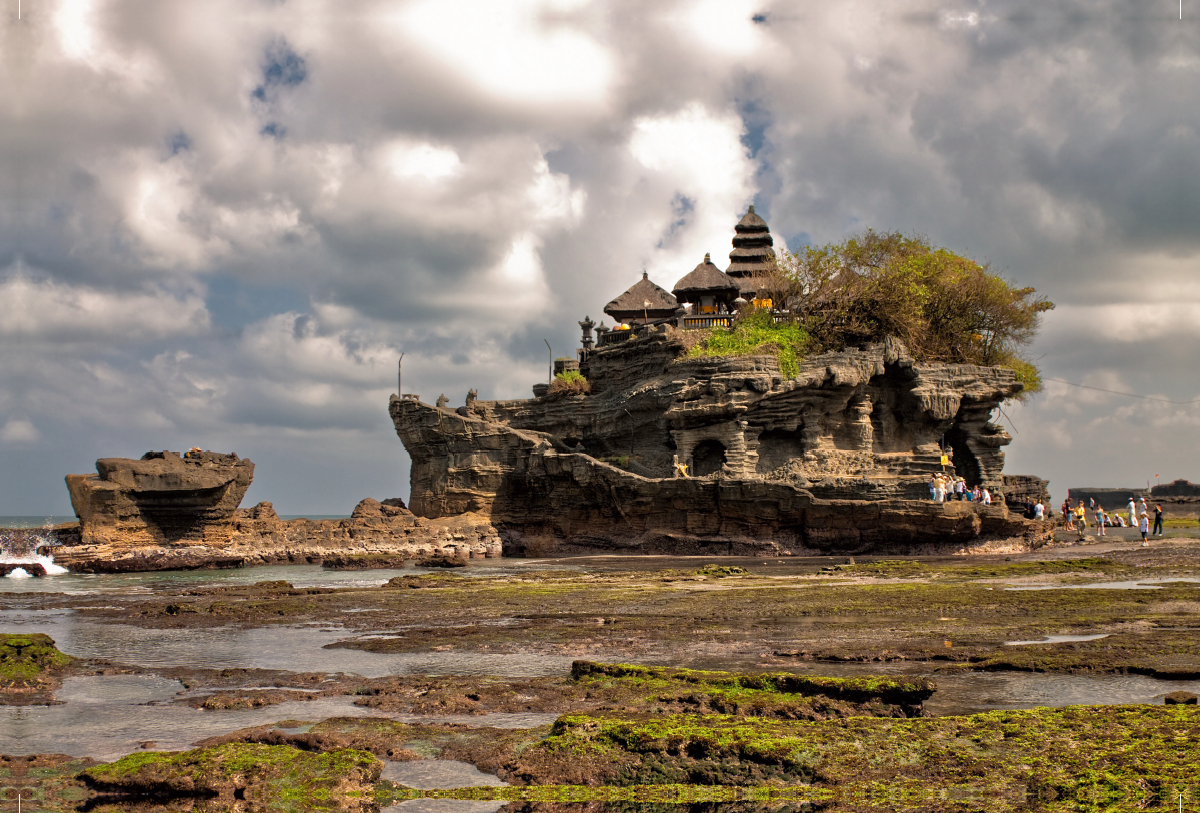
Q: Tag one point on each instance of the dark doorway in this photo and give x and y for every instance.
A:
(707, 457)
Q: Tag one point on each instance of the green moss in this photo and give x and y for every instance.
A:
(721, 571)
(757, 333)
(275, 772)
(1069, 753)
(24, 658)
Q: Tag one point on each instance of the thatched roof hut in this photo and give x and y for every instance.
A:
(644, 301)
(706, 286)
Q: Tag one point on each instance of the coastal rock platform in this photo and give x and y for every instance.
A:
(172, 512)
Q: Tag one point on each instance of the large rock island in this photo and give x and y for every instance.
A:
(674, 454)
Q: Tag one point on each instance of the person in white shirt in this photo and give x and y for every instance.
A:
(1039, 511)
(987, 497)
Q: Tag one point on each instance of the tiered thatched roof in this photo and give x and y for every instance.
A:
(752, 254)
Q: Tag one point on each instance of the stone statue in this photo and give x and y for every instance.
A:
(472, 397)
(442, 401)
(679, 469)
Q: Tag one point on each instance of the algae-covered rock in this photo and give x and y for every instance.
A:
(251, 776)
(30, 668)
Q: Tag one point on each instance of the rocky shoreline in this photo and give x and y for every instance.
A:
(769, 719)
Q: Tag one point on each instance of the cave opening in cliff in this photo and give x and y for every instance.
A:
(708, 457)
(966, 465)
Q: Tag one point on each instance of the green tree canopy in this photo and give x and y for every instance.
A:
(943, 306)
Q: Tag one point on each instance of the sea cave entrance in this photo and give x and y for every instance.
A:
(708, 457)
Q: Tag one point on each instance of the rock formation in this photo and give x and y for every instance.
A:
(836, 458)
(167, 512)
(162, 499)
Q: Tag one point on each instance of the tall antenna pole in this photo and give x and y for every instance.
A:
(399, 370)
(550, 360)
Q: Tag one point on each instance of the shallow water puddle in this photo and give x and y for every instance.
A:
(1140, 584)
(1059, 639)
(439, 773)
(108, 716)
(290, 648)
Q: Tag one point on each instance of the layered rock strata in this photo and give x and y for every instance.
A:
(163, 498)
(686, 455)
(168, 512)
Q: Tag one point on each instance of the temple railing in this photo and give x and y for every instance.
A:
(610, 337)
(702, 321)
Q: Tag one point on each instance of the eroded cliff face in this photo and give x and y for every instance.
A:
(836, 458)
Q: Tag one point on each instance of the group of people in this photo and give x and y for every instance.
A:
(1137, 512)
(944, 488)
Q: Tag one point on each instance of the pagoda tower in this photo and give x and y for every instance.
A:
(752, 254)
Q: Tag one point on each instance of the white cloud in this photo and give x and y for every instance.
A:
(423, 160)
(724, 27)
(48, 311)
(693, 155)
(19, 430)
(525, 51)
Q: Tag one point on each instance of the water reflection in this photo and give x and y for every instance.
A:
(109, 716)
(290, 648)
(296, 575)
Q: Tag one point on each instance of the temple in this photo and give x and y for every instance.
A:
(671, 453)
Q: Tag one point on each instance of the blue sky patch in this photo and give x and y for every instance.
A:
(282, 67)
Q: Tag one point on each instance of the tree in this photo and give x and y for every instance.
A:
(943, 306)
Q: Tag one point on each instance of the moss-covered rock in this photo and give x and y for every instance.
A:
(1079, 755)
(260, 777)
(30, 668)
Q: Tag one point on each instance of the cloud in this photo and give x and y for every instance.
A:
(45, 311)
(227, 219)
(19, 430)
(522, 51)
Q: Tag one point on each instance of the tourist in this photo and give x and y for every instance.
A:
(1099, 518)
(960, 486)
(1142, 510)
(1066, 512)
(977, 494)
(987, 497)
(933, 488)
(1158, 518)
(1144, 527)
(1039, 511)
(1132, 509)
(1080, 518)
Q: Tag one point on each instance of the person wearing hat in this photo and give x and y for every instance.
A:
(1158, 520)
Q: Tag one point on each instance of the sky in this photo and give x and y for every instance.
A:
(222, 222)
